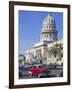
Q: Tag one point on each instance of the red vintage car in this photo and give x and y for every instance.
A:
(38, 70)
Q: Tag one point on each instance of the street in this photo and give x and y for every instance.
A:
(26, 73)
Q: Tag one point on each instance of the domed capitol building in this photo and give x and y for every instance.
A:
(49, 49)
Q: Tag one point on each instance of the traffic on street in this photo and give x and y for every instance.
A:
(40, 71)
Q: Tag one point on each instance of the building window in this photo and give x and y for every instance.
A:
(49, 26)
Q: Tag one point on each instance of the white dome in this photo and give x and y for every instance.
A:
(48, 31)
(49, 23)
(49, 20)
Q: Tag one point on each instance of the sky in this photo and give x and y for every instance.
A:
(30, 23)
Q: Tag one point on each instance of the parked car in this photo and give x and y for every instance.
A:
(39, 71)
(24, 71)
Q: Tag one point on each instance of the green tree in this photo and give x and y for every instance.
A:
(57, 50)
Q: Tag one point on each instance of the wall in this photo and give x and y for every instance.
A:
(4, 45)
